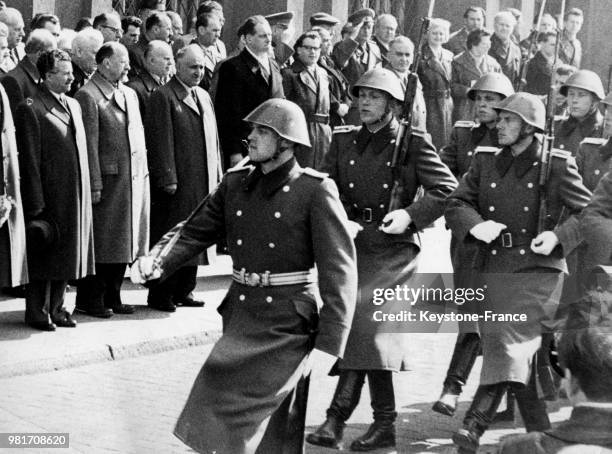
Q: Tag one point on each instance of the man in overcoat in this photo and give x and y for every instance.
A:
(279, 221)
(474, 19)
(185, 165)
(119, 180)
(245, 81)
(56, 193)
(503, 48)
(307, 84)
(387, 249)
(496, 207)
(85, 45)
(538, 75)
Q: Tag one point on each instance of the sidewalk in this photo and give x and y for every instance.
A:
(24, 350)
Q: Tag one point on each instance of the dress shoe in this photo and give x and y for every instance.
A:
(328, 434)
(446, 404)
(43, 326)
(381, 434)
(122, 309)
(188, 301)
(65, 321)
(166, 307)
(468, 440)
(99, 313)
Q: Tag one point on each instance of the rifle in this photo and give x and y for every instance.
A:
(547, 141)
(400, 151)
(518, 85)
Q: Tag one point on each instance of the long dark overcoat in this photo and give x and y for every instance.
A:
(359, 162)
(285, 221)
(569, 132)
(55, 185)
(313, 97)
(21, 82)
(504, 189)
(436, 76)
(117, 167)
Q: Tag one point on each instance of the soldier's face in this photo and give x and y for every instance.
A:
(263, 143)
(580, 102)
(509, 128)
(60, 78)
(309, 52)
(372, 105)
(484, 101)
(400, 56)
(474, 20)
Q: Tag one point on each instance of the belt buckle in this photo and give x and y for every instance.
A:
(506, 240)
(366, 215)
(252, 279)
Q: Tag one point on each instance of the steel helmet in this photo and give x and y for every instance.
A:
(283, 117)
(493, 82)
(527, 106)
(587, 80)
(381, 79)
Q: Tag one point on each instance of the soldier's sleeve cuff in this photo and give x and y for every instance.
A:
(332, 339)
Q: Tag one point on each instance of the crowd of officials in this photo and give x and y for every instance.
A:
(115, 132)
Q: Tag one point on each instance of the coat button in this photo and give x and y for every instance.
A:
(597, 171)
(493, 185)
(493, 251)
(382, 205)
(522, 252)
(491, 208)
(352, 162)
(277, 215)
(469, 153)
(242, 297)
(272, 245)
(285, 188)
(535, 163)
(239, 213)
(239, 242)
(351, 185)
(562, 146)
(355, 205)
(388, 163)
(268, 299)
(523, 230)
(530, 185)
(525, 209)
(386, 186)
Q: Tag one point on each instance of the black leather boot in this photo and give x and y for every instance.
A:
(381, 434)
(479, 416)
(346, 397)
(531, 406)
(462, 361)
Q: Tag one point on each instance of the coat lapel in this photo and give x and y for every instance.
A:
(54, 106)
(305, 77)
(435, 64)
(184, 96)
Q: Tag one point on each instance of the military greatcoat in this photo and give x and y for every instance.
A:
(359, 162)
(593, 160)
(117, 167)
(569, 132)
(285, 221)
(310, 91)
(504, 189)
(436, 75)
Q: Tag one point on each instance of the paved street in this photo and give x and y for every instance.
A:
(128, 402)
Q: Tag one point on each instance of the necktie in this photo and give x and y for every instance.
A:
(264, 72)
(195, 99)
(64, 103)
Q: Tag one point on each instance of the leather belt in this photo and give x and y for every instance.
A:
(268, 279)
(509, 240)
(364, 215)
(318, 118)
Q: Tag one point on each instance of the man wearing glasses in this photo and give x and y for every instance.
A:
(109, 24)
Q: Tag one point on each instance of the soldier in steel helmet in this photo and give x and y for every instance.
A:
(468, 136)
(279, 220)
(584, 91)
(387, 245)
(496, 208)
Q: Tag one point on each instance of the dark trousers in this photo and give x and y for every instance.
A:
(348, 391)
(175, 288)
(44, 300)
(102, 289)
(466, 350)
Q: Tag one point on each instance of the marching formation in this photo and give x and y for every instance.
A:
(314, 163)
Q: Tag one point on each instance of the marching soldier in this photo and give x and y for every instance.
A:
(583, 90)
(596, 224)
(387, 249)
(496, 208)
(250, 394)
(466, 137)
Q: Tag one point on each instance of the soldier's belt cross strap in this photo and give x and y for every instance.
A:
(268, 279)
(318, 118)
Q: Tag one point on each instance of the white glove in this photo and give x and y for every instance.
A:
(354, 228)
(144, 269)
(6, 205)
(396, 222)
(487, 231)
(320, 361)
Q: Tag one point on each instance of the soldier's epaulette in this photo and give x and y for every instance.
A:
(482, 149)
(418, 131)
(239, 168)
(464, 124)
(558, 118)
(344, 128)
(593, 141)
(314, 173)
(558, 153)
